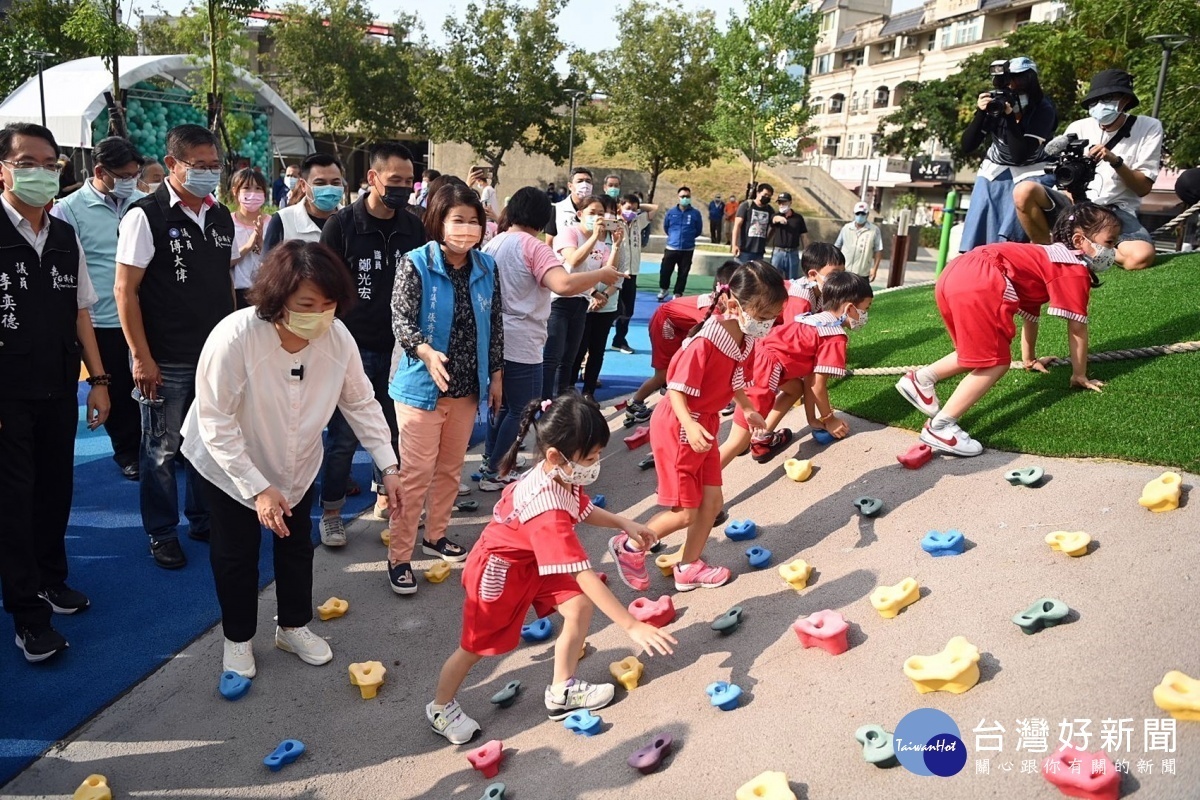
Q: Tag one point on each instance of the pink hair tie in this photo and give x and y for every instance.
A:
(545, 406)
(722, 287)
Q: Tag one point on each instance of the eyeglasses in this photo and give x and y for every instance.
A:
(118, 176)
(54, 168)
(208, 167)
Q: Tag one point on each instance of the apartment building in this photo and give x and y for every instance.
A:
(863, 66)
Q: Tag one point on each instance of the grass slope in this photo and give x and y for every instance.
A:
(1149, 411)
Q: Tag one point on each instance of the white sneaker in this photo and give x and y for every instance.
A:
(311, 648)
(951, 439)
(452, 723)
(239, 658)
(923, 398)
(333, 531)
(463, 489)
(578, 694)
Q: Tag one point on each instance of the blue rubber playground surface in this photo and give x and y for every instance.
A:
(141, 616)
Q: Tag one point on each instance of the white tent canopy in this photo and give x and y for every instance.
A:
(75, 98)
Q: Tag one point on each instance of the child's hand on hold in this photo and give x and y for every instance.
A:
(699, 438)
(837, 428)
(1085, 382)
(649, 638)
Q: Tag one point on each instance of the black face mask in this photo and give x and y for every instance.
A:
(396, 197)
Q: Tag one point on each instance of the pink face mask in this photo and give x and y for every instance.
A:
(460, 237)
(252, 201)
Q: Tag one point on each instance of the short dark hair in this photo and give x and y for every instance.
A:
(320, 160)
(590, 199)
(14, 129)
(430, 174)
(381, 152)
(529, 208)
(182, 138)
(243, 178)
(580, 171)
(683, 189)
(291, 262)
(445, 199)
(116, 152)
(632, 198)
(571, 424)
(725, 271)
(612, 176)
(763, 186)
(845, 287)
(819, 255)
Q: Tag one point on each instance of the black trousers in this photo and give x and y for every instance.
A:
(671, 259)
(239, 299)
(37, 468)
(626, 300)
(595, 338)
(714, 229)
(233, 551)
(124, 424)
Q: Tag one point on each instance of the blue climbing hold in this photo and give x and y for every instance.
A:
(583, 722)
(823, 437)
(233, 686)
(938, 544)
(759, 557)
(739, 530)
(287, 752)
(724, 696)
(600, 501)
(537, 631)
(475, 476)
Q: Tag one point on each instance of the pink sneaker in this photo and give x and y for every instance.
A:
(631, 567)
(699, 575)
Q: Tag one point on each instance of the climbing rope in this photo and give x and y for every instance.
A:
(1112, 355)
(1177, 221)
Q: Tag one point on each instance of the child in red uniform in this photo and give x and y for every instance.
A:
(701, 380)
(669, 326)
(818, 261)
(810, 345)
(979, 293)
(529, 555)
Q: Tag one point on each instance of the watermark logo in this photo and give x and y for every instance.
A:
(928, 742)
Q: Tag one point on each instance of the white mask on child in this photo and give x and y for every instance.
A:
(580, 475)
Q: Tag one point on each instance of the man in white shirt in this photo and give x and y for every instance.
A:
(1128, 154)
(565, 210)
(861, 242)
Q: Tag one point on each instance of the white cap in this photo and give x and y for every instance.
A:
(1022, 64)
(860, 208)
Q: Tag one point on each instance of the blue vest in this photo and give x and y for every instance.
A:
(412, 384)
(95, 222)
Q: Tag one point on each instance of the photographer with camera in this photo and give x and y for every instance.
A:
(1111, 158)
(1020, 120)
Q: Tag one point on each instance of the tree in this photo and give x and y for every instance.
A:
(1095, 35)
(761, 110)
(226, 18)
(659, 83)
(494, 85)
(326, 59)
(35, 25)
(97, 24)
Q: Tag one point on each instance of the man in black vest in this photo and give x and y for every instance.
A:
(370, 235)
(173, 286)
(44, 324)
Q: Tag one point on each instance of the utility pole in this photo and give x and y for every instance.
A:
(1168, 42)
(41, 56)
(571, 147)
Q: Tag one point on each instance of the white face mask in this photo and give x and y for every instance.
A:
(784, 209)
(1102, 258)
(754, 328)
(583, 189)
(1105, 111)
(580, 475)
(861, 322)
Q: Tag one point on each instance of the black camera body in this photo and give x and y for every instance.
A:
(1000, 94)
(1074, 169)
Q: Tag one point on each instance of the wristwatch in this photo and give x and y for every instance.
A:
(1118, 163)
(391, 471)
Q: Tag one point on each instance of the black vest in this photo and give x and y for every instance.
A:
(188, 285)
(39, 350)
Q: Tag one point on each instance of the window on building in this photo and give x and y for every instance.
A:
(854, 103)
(887, 50)
(882, 96)
(837, 103)
(823, 65)
(903, 90)
(931, 42)
(960, 32)
(831, 145)
(827, 22)
(817, 104)
(852, 58)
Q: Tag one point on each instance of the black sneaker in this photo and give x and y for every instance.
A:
(728, 410)
(168, 554)
(64, 600)
(40, 646)
(444, 548)
(130, 472)
(402, 579)
(623, 347)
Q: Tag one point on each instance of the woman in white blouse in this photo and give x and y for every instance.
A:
(269, 378)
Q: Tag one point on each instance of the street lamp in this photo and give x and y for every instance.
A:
(1168, 42)
(571, 148)
(41, 57)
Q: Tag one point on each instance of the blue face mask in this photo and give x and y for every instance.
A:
(685, 201)
(326, 198)
(860, 218)
(202, 182)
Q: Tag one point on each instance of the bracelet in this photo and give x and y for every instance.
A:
(391, 471)
(828, 416)
(99, 380)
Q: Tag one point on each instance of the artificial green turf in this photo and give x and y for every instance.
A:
(1149, 411)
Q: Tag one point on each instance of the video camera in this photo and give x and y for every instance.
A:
(1001, 94)
(1073, 169)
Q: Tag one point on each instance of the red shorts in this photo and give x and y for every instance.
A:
(492, 627)
(970, 297)
(663, 349)
(682, 472)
